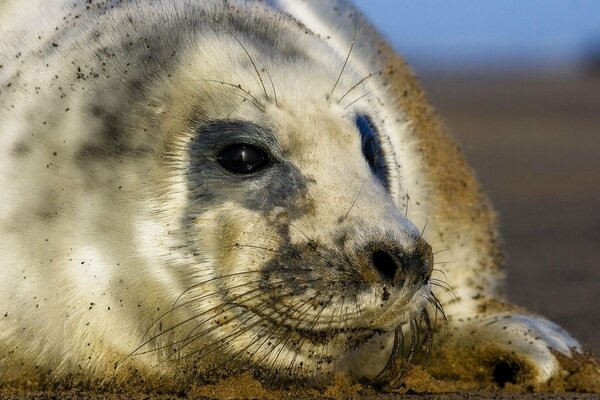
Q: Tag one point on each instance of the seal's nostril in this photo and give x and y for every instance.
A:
(385, 264)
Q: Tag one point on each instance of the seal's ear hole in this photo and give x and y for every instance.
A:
(506, 372)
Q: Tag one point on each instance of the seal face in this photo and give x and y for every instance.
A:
(198, 188)
(221, 185)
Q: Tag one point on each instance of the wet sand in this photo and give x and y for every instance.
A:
(535, 144)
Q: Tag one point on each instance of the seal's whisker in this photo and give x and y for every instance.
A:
(416, 345)
(442, 285)
(360, 82)
(432, 298)
(440, 251)
(311, 325)
(171, 328)
(272, 84)
(384, 375)
(340, 308)
(353, 203)
(213, 346)
(426, 346)
(212, 280)
(262, 83)
(206, 311)
(266, 338)
(232, 335)
(174, 307)
(360, 98)
(276, 327)
(446, 289)
(441, 271)
(281, 340)
(265, 306)
(440, 282)
(310, 241)
(356, 277)
(300, 319)
(254, 100)
(444, 262)
(312, 244)
(229, 306)
(274, 346)
(414, 336)
(259, 289)
(347, 58)
(245, 322)
(439, 310)
(198, 353)
(246, 99)
(424, 227)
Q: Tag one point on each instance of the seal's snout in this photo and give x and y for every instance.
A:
(398, 266)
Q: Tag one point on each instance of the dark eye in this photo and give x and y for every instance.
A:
(371, 147)
(243, 158)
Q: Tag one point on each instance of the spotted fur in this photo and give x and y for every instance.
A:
(127, 251)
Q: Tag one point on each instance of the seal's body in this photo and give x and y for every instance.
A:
(191, 187)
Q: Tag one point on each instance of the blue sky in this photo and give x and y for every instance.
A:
(480, 32)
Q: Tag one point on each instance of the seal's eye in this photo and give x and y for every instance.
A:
(243, 158)
(371, 147)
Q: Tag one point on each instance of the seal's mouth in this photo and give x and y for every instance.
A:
(350, 337)
(412, 337)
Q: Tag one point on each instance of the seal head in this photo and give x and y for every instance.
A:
(210, 192)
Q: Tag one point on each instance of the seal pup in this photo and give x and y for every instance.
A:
(193, 189)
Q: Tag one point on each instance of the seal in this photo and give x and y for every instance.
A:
(193, 189)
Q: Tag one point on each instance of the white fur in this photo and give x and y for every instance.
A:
(91, 285)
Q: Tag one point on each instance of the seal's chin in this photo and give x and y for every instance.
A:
(315, 352)
(390, 354)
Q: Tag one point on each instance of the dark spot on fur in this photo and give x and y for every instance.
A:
(112, 139)
(47, 214)
(386, 294)
(136, 85)
(97, 111)
(21, 149)
(266, 36)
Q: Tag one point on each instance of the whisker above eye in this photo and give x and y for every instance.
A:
(262, 83)
(347, 58)
(360, 98)
(272, 85)
(254, 100)
(359, 83)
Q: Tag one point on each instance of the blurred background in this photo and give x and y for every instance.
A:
(517, 83)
